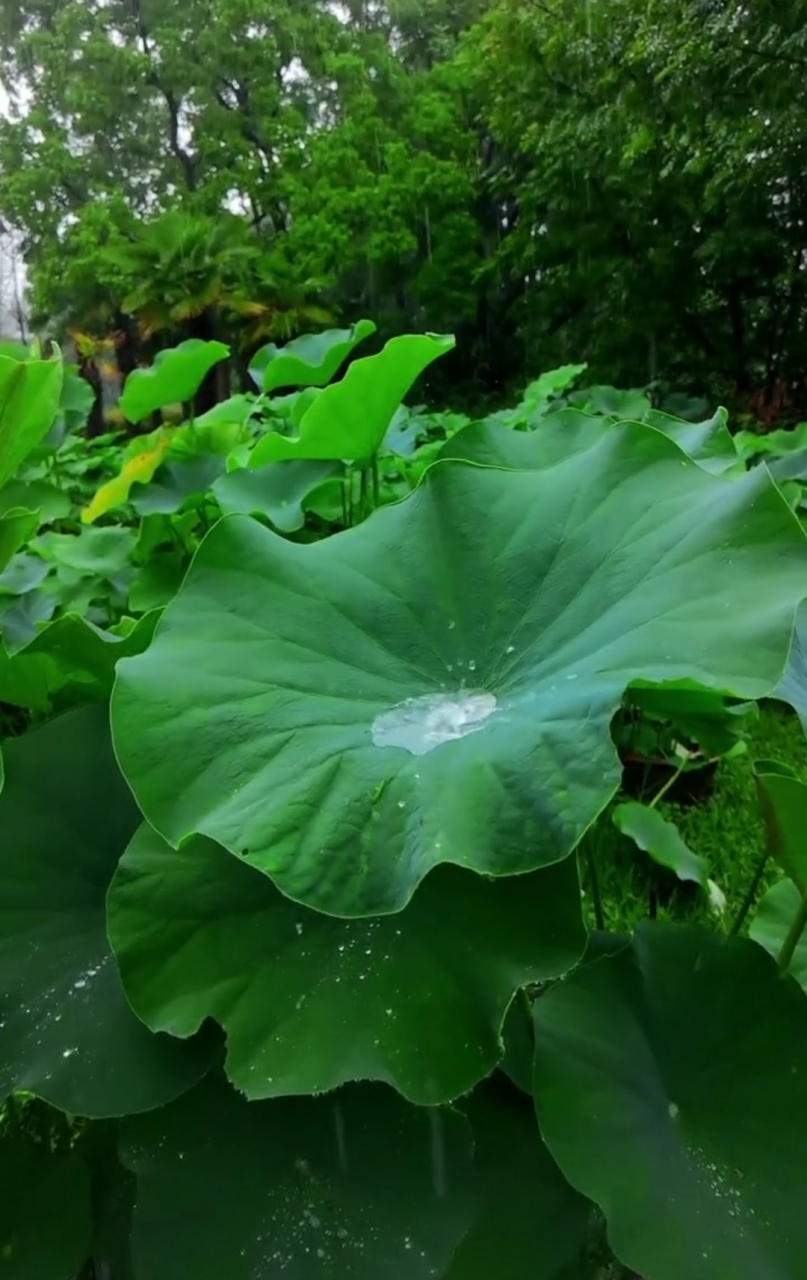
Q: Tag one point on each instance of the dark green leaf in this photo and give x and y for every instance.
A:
(775, 914)
(276, 491)
(661, 839)
(45, 1212)
(67, 1032)
(671, 1088)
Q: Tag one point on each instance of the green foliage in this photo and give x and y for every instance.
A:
(303, 764)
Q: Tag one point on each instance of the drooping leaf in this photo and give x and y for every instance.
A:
(309, 1001)
(659, 837)
(16, 527)
(792, 688)
(138, 468)
(175, 377)
(29, 399)
(358, 1185)
(45, 1211)
(671, 1088)
(310, 360)
(35, 495)
(67, 1032)
(438, 683)
(784, 808)
(775, 913)
(349, 419)
(276, 491)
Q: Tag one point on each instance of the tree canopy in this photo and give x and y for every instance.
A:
(550, 180)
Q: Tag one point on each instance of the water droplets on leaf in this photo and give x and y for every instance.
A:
(420, 724)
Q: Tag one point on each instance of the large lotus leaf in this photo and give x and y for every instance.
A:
(710, 443)
(34, 495)
(349, 419)
(792, 688)
(67, 1032)
(277, 491)
(570, 431)
(16, 527)
(783, 801)
(772, 922)
(29, 399)
(308, 361)
(438, 683)
(45, 1211)
(175, 377)
(671, 1088)
(309, 1001)
(358, 1185)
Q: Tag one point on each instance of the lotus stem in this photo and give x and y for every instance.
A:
(793, 937)
(671, 781)
(376, 483)
(596, 895)
(750, 897)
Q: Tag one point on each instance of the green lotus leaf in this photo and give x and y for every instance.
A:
(568, 431)
(349, 419)
(437, 684)
(103, 551)
(234, 411)
(22, 574)
(710, 442)
(29, 400)
(771, 925)
(67, 1032)
(309, 1001)
(783, 800)
(792, 688)
(357, 1185)
(661, 839)
(16, 527)
(45, 1211)
(671, 1088)
(176, 482)
(277, 491)
(35, 495)
(531, 1223)
(175, 377)
(310, 360)
(613, 403)
(157, 581)
(69, 660)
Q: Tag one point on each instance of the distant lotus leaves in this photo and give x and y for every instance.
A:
(437, 684)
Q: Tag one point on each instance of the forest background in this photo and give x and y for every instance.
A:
(623, 183)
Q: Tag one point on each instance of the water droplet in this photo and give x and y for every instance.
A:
(511, 648)
(420, 724)
(298, 927)
(673, 1110)
(451, 626)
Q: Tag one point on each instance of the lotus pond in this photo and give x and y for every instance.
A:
(403, 831)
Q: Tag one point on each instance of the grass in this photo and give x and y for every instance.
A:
(725, 829)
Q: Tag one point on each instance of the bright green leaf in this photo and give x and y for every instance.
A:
(67, 1032)
(175, 376)
(310, 360)
(29, 399)
(660, 838)
(671, 1088)
(349, 419)
(438, 683)
(309, 1001)
(16, 527)
(104, 551)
